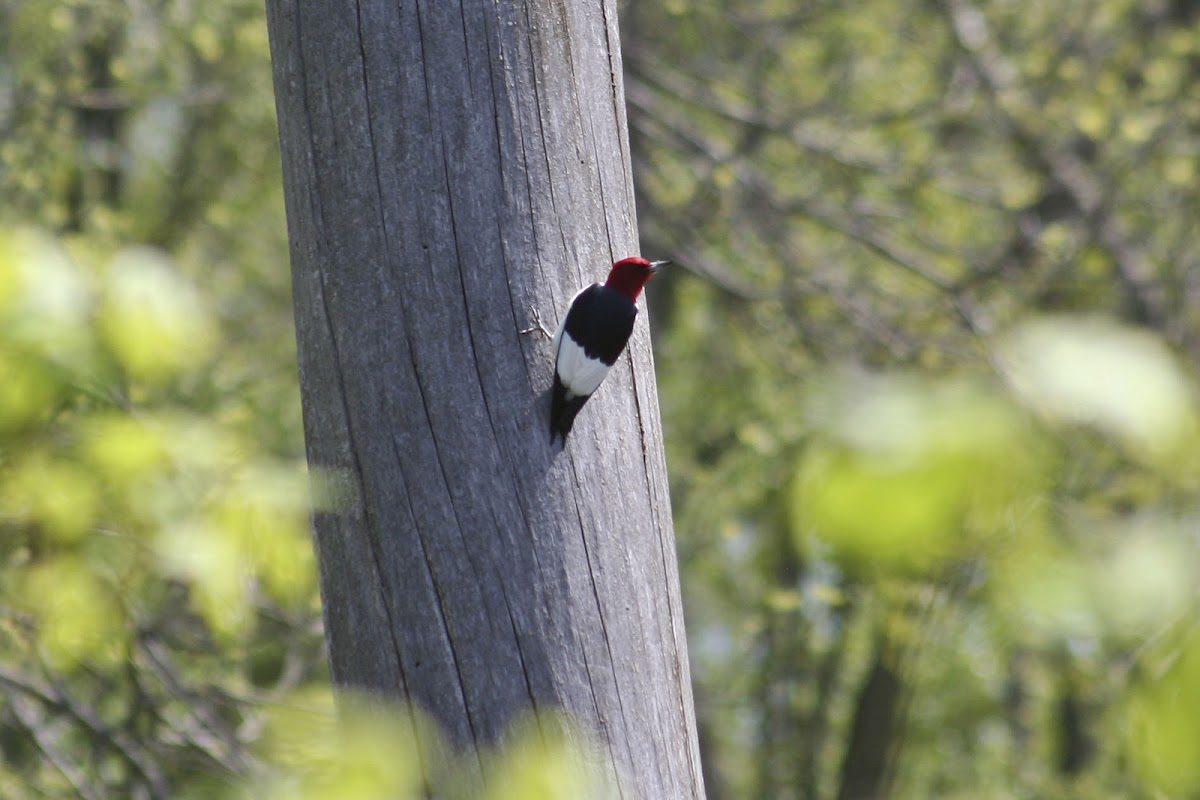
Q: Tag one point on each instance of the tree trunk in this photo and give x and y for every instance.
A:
(447, 167)
(867, 763)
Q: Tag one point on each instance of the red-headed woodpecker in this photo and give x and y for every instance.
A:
(591, 337)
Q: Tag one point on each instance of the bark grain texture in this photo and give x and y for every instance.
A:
(448, 166)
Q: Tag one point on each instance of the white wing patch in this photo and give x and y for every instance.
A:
(579, 374)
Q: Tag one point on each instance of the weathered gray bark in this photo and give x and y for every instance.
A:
(448, 165)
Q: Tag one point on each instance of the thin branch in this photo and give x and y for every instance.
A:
(752, 177)
(54, 697)
(204, 731)
(1061, 167)
(47, 744)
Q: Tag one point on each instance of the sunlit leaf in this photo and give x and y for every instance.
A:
(45, 302)
(28, 392)
(58, 496)
(548, 761)
(156, 323)
(265, 510)
(126, 449)
(1045, 593)
(1089, 370)
(1163, 728)
(906, 472)
(368, 751)
(44, 293)
(218, 570)
(78, 618)
(1148, 580)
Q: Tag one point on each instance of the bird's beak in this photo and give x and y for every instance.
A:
(655, 266)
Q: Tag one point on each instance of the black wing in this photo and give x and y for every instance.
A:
(600, 319)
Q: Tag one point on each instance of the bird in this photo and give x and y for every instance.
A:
(592, 336)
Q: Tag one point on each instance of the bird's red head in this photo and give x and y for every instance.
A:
(629, 275)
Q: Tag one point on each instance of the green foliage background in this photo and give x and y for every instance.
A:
(928, 387)
(925, 372)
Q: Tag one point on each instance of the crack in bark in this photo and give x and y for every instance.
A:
(604, 632)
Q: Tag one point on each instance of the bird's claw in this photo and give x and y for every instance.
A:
(537, 324)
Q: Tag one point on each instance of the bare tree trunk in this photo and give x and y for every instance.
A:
(447, 166)
(867, 765)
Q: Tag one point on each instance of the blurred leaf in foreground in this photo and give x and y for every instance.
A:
(1095, 371)
(907, 471)
(1163, 726)
(369, 748)
(548, 759)
(370, 751)
(156, 323)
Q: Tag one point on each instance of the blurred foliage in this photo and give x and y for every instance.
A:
(937, 500)
(158, 592)
(157, 579)
(370, 750)
(931, 417)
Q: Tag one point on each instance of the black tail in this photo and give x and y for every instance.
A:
(563, 411)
